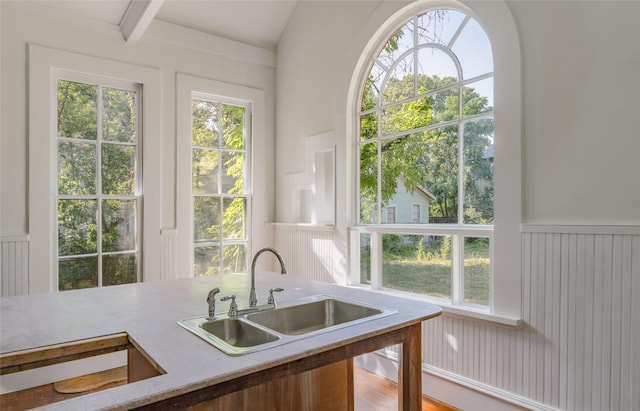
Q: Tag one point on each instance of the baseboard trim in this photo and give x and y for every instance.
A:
(451, 388)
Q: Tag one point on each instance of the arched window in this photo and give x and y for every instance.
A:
(425, 135)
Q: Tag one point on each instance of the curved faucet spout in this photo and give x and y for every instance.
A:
(211, 299)
(253, 300)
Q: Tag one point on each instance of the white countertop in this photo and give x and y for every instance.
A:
(148, 313)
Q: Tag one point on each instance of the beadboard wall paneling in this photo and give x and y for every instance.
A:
(578, 348)
(308, 251)
(169, 257)
(14, 263)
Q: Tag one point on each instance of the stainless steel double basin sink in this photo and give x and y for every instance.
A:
(292, 321)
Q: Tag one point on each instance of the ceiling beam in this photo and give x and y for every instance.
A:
(137, 18)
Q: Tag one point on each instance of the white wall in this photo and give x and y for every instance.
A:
(165, 47)
(581, 198)
(580, 70)
(581, 85)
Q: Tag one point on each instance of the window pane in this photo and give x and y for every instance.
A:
(119, 269)
(445, 105)
(119, 225)
(404, 173)
(206, 219)
(372, 87)
(205, 171)
(437, 66)
(400, 84)
(439, 26)
(478, 97)
(76, 168)
(478, 171)
(368, 183)
(476, 270)
(407, 116)
(368, 126)
(440, 174)
(232, 127)
(473, 50)
(118, 169)
(232, 172)
(206, 260)
(235, 258)
(205, 124)
(234, 219)
(398, 43)
(418, 264)
(118, 115)
(77, 113)
(77, 229)
(365, 258)
(74, 273)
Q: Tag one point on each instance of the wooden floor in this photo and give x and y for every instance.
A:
(374, 393)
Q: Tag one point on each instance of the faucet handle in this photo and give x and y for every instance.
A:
(233, 307)
(271, 299)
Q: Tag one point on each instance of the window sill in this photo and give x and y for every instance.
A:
(467, 312)
(306, 226)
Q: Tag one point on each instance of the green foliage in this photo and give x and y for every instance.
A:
(219, 154)
(445, 247)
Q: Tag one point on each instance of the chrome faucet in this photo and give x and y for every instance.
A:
(211, 299)
(253, 300)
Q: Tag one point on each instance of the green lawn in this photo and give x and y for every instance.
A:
(407, 266)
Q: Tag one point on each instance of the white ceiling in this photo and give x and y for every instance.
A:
(256, 22)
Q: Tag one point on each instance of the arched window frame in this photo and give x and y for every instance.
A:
(497, 21)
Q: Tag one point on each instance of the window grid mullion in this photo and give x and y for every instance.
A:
(457, 269)
(99, 210)
(376, 260)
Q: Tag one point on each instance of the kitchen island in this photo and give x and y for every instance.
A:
(181, 371)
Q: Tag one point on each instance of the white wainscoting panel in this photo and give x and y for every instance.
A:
(579, 345)
(169, 257)
(308, 251)
(14, 263)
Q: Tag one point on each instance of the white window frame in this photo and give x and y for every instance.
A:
(99, 196)
(247, 174)
(186, 88)
(496, 19)
(43, 64)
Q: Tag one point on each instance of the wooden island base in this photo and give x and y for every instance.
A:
(321, 381)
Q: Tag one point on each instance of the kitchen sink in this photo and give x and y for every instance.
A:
(238, 333)
(234, 336)
(292, 321)
(312, 316)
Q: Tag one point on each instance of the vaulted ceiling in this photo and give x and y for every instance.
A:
(256, 22)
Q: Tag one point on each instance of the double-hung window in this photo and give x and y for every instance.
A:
(98, 182)
(219, 184)
(425, 125)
